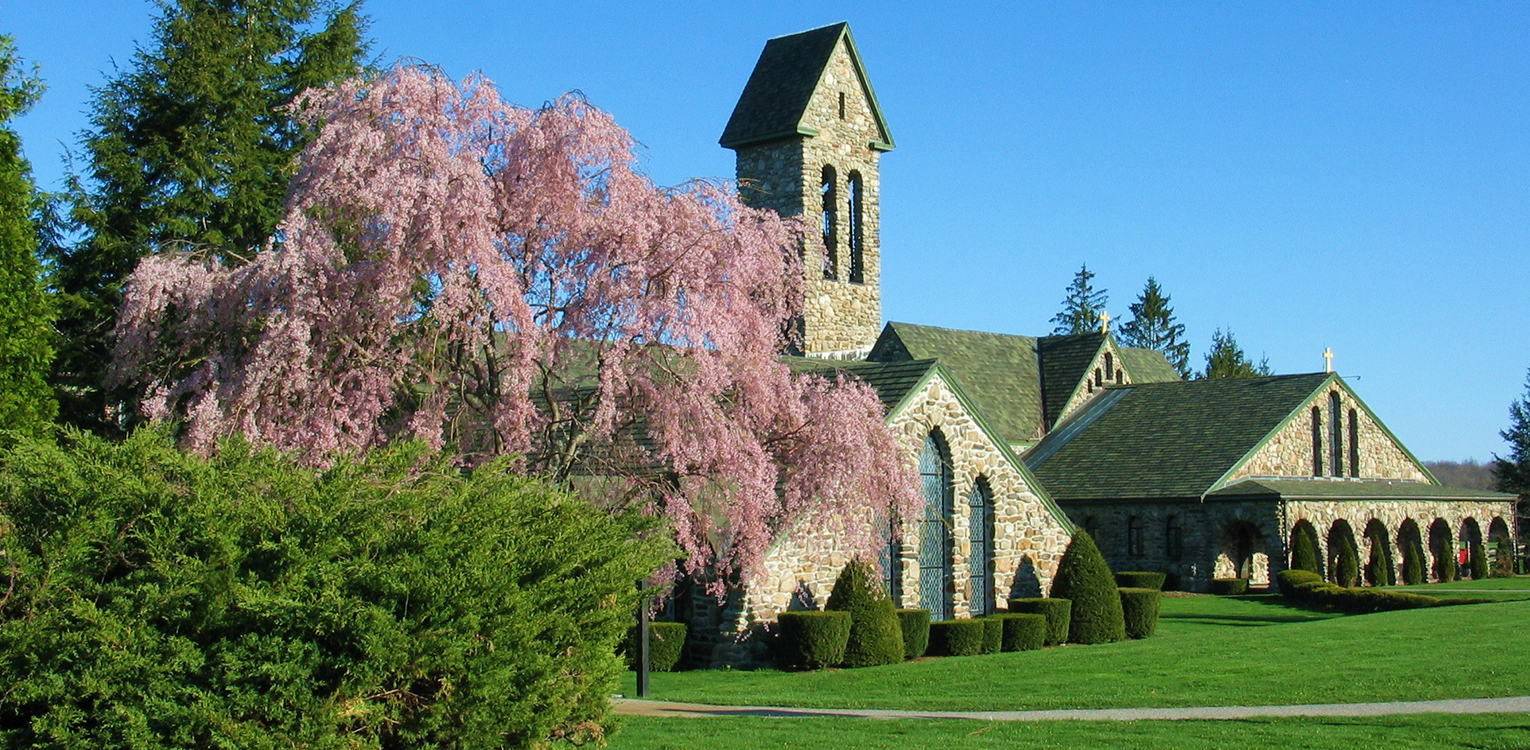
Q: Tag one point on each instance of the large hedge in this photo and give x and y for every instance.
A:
(1058, 612)
(993, 634)
(1140, 610)
(915, 624)
(1023, 632)
(1231, 586)
(1084, 579)
(168, 601)
(957, 637)
(875, 636)
(666, 644)
(1141, 579)
(812, 639)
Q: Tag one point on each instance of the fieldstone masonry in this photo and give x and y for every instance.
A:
(1290, 454)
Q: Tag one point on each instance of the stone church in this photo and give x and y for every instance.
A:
(1021, 441)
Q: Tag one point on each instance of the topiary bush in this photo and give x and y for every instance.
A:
(1288, 580)
(1346, 569)
(1140, 579)
(1140, 609)
(875, 636)
(1478, 562)
(391, 600)
(1304, 548)
(1084, 579)
(1413, 562)
(1325, 595)
(1230, 586)
(993, 634)
(1022, 632)
(1376, 567)
(1503, 559)
(915, 624)
(666, 644)
(957, 637)
(1057, 612)
(812, 639)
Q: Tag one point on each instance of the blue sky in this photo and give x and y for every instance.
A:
(1310, 175)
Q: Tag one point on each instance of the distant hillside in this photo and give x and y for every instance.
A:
(1468, 474)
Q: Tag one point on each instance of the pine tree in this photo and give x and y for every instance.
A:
(191, 147)
(1152, 326)
(1513, 472)
(26, 353)
(1227, 360)
(1081, 307)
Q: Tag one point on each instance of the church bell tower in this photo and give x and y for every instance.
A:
(808, 134)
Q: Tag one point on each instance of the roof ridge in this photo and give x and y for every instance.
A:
(963, 330)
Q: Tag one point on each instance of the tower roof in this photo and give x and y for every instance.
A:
(782, 85)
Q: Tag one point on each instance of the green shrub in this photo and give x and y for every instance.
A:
(1478, 562)
(1503, 559)
(1084, 579)
(915, 624)
(1023, 632)
(1325, 595)
(1056, 611)
(1446, 560)
(1139, 579)
(875, 637)
(812, 639)
(993, 634)
(392, 600)
(1229, 586)
(1346, 569)
(957, 637)
(1413, 562)
(1376, 567)
(1288, 580)
(1304, 548)
(1140, 609)
(666, 644)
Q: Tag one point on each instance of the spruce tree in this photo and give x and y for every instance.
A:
(26, 353)
(189, 147)
(1081, 307)
(1227, 360)
(1513, 472)
(1152, 326)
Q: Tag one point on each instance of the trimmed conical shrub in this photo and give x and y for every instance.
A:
(1503, 559)
(1376, 567)
(1413, 562)
(1304, 551)
(1346, 569)
(1084, 579)
(876, 638)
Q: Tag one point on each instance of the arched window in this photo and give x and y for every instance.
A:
(935, 568)
(830, 194)
(857, 230)
(980, 539)
(841, 105)
(1134, 545)
(1317, 442)
(1110, 365)
(1354, 443)
(1173, 538)
(1335, 435)
(1098, 378)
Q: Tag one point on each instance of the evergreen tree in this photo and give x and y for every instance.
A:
(1513, 473)
(26, 353)
(1082, 307)
(1152, 326)
(1085, 579)
(1227, 360)
(191, 147)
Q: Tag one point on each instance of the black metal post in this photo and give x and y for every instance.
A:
(642, 659)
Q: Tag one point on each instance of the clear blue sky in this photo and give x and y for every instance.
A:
(1344, 175)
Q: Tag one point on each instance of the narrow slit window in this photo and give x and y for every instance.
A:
(829, 192)
(1317, 442)
(857, 230)
(1335, 436)
(1354, 444)
(841, 105)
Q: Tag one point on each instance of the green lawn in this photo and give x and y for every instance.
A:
(1497, 589)
(1209, 651)
(1493, 731)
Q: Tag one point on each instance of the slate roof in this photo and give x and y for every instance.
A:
(1343, 489)
(1165, 440)
(891, 380)
(1147, 365)
(1064, 364)
(998, 371)
(782, 85)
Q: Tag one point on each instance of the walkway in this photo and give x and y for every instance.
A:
(634, 707)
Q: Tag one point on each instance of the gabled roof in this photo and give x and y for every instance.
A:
(779, 90)
(1064, 365)
(1147, 365)
(1318, 488)
(1165, 440)
(998, 371)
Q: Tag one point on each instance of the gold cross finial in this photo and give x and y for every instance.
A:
(1104, 321)
(1328, 355)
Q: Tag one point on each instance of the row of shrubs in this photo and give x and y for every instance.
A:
(1309, 589)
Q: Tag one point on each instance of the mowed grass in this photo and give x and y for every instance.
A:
(1489, 731)
(1209, 651)
(1496, 589)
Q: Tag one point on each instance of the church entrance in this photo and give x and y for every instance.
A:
(1243, 554)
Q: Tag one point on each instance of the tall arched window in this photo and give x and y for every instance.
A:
(935, 568)
(1335, 435)
(1110, 366)
(1354, 444)
(857, 230)
(980, 539)
(892, 563)
(1317, 442)
(830, 194)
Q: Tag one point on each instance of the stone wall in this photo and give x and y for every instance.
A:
(1323, 514)
(841, 318)
(1289, 453)
(1028, 541)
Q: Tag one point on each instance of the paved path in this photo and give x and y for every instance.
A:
(634, 707)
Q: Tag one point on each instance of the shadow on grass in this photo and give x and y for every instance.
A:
(1245, 621)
